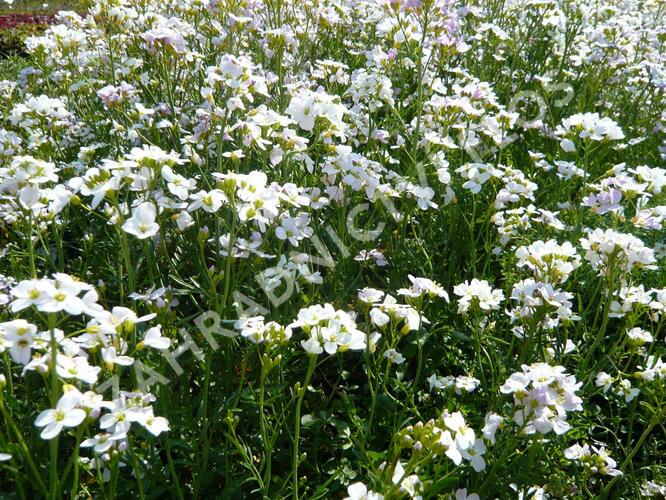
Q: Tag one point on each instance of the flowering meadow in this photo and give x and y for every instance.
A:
(327, 249)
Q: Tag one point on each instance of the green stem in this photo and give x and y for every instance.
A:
(23, 447)
(477, 345)
(295, 460)
(262, 428)
(172, 470)
(656, 419)
(31, 249)
(53, 444)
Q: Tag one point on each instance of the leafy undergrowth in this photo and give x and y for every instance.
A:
(335, 249)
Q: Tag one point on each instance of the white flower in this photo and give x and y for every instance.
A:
(209, 201)
(474, 454)
(77, 368)
(153, 338)
(378, 317)
(120, 417)
(625, 389)
(587, 126)
(478, 292)
(423, 286)
(65, 414)
(492, 422)
(435, 382)
(604, 380)
(103, 442)
(461, 494)
(154, 425)
(465, 383)
(178, 185)
(543, 395)
(359, 491)
(110, 357)
(477, 174)
(305, 107)
(376, 255)
(370, 295)
(18, 335)
(294, 229)
(638, 336)
(28, 293)
(408, 484)
(184, 220)
(596, 460)
(451, 448)
(312, 346)
(142, 223)
(393, 356)
(464, 435)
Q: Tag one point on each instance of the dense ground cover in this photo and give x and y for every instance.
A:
(335, 249)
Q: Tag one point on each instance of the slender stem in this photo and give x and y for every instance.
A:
(262, 427)
(53, 444)
(205, 425)
(172, 470)
(373, 395)
(137, 472)
(128, 262)
(656, 419)
(297, 423)
(31, 249)
(477, 345)
(23, 446)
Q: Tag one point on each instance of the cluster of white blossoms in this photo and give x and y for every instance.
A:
(478, 294)
(587, 126)
(30, 190)
(423, 287)
(629, 298)
(623, 387)
(258, 331)
(76, 361)
(512, 223)
(306, 107)
(386, 311)
(596, 460)
(543, 396)
(548, 260)
(328, 330)
(541, 301)
(448, 435)
(459, 384)
(654, 369)
(608, 251)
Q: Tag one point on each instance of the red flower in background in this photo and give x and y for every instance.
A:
(8, 21)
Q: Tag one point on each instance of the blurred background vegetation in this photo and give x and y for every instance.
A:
(32, 6)
(21, 19)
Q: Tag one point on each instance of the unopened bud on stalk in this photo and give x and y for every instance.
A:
(203, 234)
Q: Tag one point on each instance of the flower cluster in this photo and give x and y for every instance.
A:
(328, 330)
(543, 396)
